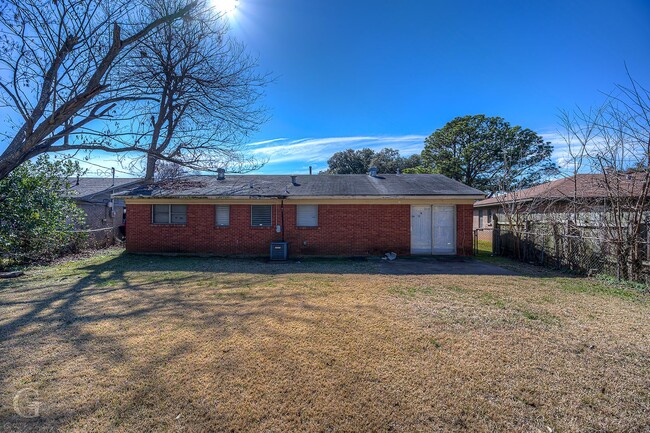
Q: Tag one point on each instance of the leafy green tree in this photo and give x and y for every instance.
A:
(488, 153)
(37, 215)
(387, 160)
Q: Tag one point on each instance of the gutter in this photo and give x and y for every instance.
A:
(501, 203)
(305, 197)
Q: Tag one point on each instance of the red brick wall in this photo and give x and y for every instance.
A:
(464, 229)
(344, 230)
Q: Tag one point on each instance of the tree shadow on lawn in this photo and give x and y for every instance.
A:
(403, 265)
(144, 343)
(91, 318)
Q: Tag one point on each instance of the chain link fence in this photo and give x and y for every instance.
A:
(583, 250)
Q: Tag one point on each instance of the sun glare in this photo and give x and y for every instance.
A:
(228, 7)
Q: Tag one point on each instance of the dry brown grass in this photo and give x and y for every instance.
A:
(131, 343)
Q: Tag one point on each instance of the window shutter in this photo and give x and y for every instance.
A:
(161, 214)
(307, 215)
(261, 215)
(178, 214)
(223, 215)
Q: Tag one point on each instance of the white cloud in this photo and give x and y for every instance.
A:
(282, 155)
(259, 143)
(318, 150)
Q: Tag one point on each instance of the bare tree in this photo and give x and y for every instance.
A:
(59, 74)
(614, 139)
(167, 171)
(517, 210)
(202, 92)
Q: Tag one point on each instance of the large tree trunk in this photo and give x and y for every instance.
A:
(151, 167)
(47, 122)
(10, 160)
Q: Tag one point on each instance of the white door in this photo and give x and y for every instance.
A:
(444, 229)
(421, 230)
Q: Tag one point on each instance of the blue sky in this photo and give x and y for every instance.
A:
(387, 73)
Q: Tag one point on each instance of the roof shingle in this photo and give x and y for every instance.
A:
(90, 186)
(332, 185)
(581, 186)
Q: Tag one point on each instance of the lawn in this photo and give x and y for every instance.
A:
(126, 343)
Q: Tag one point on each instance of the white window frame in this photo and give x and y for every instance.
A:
(480, 218)
(216, 215)
(169, 214)
(313, 219)
(270, 224)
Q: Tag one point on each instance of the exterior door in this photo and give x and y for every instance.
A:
(444, 229)
(421, 239)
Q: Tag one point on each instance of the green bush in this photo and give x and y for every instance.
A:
(38, 219)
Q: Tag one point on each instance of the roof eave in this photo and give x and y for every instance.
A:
(306, 197)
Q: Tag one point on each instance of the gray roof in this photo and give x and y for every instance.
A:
(331, 185)
(91, 186)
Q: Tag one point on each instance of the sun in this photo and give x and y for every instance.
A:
(228, 7)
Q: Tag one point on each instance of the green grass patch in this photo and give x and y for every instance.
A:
(410, 291)
(629, 291)
(457, 289)
(490, 299)
(484, 248)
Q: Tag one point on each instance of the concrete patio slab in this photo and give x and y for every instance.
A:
(443, 265)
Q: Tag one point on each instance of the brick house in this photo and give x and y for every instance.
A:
(322, 215)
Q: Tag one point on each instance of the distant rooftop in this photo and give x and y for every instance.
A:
(580, 186)
(90, 186)
(330, 185)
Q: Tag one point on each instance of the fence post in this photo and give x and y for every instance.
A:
(527, 247)
(556, 245)
(475, 242)
(495, 235)
(570, 248)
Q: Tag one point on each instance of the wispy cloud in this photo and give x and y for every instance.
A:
(562, 150)
(283, 155)
(286, 155)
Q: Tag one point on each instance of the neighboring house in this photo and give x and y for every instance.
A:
(104, 215)
(581, 197)
(324, 215)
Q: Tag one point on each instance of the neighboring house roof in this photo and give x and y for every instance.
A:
(330, 185)
(586, 185)
(85, 188)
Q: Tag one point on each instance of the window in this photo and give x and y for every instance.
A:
(307, 215)
(480, 218)
(261, 216)
(169, 214)
(489, 216)
(222, 215)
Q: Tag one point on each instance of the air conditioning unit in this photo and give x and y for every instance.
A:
(278, 250)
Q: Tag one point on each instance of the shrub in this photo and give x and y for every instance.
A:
(38, 218)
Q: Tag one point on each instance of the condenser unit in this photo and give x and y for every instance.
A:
(278, 250)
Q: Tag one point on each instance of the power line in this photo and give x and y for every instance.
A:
(100, 166)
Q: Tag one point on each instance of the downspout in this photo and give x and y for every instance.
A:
(282, 216)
